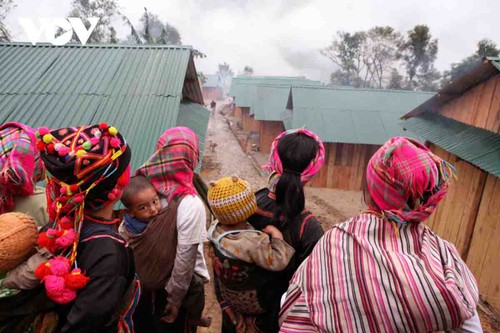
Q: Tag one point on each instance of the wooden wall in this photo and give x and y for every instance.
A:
(268, 131)
(345, 166)
(456, 215)
(479, 106)
(483, 257)
(253, 124)
(211, 93)
(244, 118)
(238, 113)
(469, 217)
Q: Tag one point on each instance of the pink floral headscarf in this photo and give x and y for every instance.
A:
(405, 170)
(171, 168)
(276, 168)
(20, 164)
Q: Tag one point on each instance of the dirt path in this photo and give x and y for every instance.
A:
(223, 156)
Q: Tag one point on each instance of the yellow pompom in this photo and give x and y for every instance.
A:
(47, 138)
(81, 153)
(113, 131)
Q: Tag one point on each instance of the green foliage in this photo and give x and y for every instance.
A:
(154, 31)
(248, 71)
(485, 48)
(418, 52)
(106, 10)
(5, 7)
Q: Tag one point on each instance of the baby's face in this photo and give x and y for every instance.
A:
(145, 205)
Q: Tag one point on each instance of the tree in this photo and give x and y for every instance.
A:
(106, 10)
(485, 48)
(248, 71)
(346, 51)
(381, 52)
(364, 58)
(225, 73)
(396, 80)
(418, 52)
(5, 7)
(154, 31)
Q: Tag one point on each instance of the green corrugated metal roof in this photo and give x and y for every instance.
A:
(244, 88)
(349, 115)
(474, 145)
(138, 89)
(195, 117)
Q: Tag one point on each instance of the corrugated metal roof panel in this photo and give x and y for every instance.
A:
(196, 117)
(244, 88)
(138, 89)
(474, 145)
(479, 74)
(348, 115)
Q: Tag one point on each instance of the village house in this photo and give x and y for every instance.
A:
(211, 89)
(353, 124)
(462, 125)
(142, 90)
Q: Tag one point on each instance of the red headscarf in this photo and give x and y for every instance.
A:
(406, 180)
(20, 164)
(171, 168)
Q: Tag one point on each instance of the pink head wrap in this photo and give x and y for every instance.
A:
(171, 168)
(20, 163)
(404, 172)
(275, 166)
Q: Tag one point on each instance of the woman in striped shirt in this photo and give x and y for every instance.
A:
(384, 270)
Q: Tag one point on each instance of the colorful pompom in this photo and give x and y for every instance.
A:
(59, 265)
(66, 239)
(115, 142)
(113, 131)
(63, 151)
(47, 138)
(111, 196)
(73, 188)
(80, 153)
(43, 131)
(76, 280)
(40, 145)
(78, 199)
(94, 141)
(51, 148)
(43, 270)
(47, 242)
(103, 126)
(87, 145)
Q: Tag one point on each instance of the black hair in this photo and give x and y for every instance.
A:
(296, 151)
(137, 184)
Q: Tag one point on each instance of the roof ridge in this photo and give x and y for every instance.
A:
(104, 46)
(348, 88)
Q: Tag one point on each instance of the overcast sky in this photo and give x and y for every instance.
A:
(282, 37)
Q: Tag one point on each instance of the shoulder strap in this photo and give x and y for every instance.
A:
(307, 217)
(104, 236)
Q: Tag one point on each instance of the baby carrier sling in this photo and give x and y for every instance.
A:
(246, 287)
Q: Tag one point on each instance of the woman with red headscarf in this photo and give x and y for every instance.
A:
(20, 169)
(171, 172)
(384, 270)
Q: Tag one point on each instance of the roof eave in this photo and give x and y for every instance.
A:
(479, 74)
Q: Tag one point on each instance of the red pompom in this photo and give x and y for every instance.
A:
(43, 270)
(47, 242)
(73, 188)
(75, 280)
(51, 148)
(103, 126)
(40, 146)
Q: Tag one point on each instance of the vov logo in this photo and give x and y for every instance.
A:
(48, 26)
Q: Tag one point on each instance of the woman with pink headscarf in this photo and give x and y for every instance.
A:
(384, 270)
(20, 169)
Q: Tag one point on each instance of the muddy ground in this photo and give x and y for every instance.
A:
(224, 156)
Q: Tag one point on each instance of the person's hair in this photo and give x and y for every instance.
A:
(296, 151)
(137, 184)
